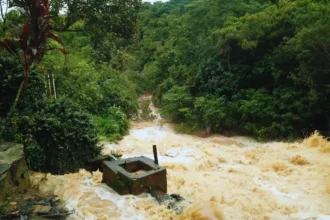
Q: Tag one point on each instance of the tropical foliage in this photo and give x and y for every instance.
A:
(255, 67)
(59, 106)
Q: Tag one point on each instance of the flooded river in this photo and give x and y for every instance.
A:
(223, 178)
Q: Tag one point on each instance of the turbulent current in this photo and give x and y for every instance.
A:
(223, 178)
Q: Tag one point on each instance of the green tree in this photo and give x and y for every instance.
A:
(256, 67)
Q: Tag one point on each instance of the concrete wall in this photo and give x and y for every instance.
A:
(14, 176)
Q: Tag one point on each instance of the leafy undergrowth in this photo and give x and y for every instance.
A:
(112, 124)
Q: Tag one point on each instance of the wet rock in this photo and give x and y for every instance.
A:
(14, 176)
(174, 201)
(33, 206)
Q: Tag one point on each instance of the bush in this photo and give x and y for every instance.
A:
(119, 92)
(96, 87)
(10, 80)
(177, 105)
(57, 136)
(211, 112)
(9, 130)
(112, 124)
(273, 115)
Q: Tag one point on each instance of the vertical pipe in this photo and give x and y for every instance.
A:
(53, 78)
(45, 82)
(50, 88)
(154, 147)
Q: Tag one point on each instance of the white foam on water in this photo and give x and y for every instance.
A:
(153, 133)
(309, 216)
(231, 176)
(275, 191)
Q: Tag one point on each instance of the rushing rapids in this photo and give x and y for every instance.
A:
(223, 178)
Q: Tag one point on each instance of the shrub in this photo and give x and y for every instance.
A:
(211, 112)
(10, 79)
(57, 136)
(112, 124)
(177, 105)
(64, 136)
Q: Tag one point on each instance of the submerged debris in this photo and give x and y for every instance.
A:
(267, 185)
(175, 202)
(32, 206)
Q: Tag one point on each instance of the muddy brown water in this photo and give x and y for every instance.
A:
(224, 178)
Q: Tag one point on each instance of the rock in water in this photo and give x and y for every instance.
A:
(175, 202)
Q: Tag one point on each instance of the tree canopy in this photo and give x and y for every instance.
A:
(253, 67)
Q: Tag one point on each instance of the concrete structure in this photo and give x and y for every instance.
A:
(134, 175)
(14, 176)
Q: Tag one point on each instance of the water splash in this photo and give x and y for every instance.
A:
(224, 178)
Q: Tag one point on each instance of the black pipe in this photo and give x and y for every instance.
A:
(154, 147)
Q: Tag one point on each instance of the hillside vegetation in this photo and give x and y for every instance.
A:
(253, 67)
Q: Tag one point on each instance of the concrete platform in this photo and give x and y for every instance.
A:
(134, 175)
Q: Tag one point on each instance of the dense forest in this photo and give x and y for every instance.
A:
(253, 67)
(258, 68)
